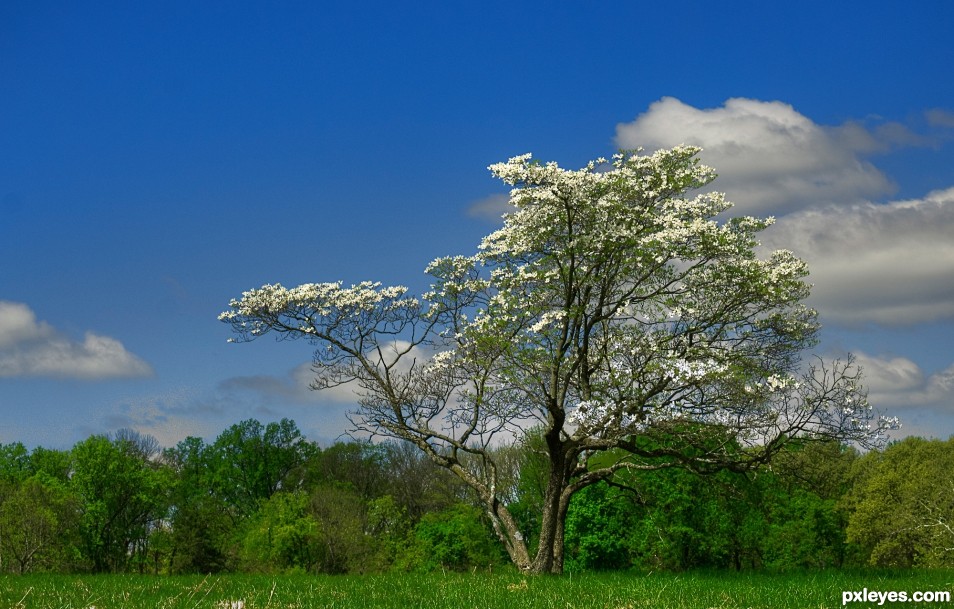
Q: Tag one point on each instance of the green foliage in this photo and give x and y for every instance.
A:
(688, 521)
(56, 464)
(14, 464)
(124, 495)
(116, 504)
(782, 518)
(249, 462)
(389, 524)
(201, 521)
(38, 524)
(599, 527)
(281, 536)
(804, 531)
(455, 538)
(342, 515)
(357, 466)
(902, 504)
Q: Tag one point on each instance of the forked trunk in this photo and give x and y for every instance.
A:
(549, 555)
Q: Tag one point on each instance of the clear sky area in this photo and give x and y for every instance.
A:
(158, 159)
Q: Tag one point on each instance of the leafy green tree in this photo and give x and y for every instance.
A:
(342, 515)
(455, 538)
(416, 483)
(54, 463)
(823, 468)
(615, 304)
(201, 522)
(357, 466)
(685, 523)
(800, 500)
(389, 525)
(282, 536)
(14, 465)
(803, 531)
(902, 505)
(599, 527)
(38, 523)
(250, 462)
(226, 489)
(124, 495)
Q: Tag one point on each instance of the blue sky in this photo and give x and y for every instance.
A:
(156, 161)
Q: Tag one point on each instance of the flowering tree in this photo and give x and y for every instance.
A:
(613, 313)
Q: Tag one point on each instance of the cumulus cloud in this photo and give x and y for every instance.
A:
(29, 347)
(771, 159)
(897, 383)
(887, 263)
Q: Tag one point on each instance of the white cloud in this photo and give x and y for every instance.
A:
(18, 324)
(891, 264)
(150, 416)
(34, 348)
(898, 387)
(771, 159)
(897, 383)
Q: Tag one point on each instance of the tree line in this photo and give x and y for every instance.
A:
(262, 498)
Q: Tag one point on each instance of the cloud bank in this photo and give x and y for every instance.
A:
(891, 263)
(900, 382)
(871, 261)
(32, 348)
(898, 386)
(770, 158)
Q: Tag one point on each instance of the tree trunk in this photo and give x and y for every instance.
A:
(543, 561)
(549, 558)
(509, 534)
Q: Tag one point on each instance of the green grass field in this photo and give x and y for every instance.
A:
(503, 591)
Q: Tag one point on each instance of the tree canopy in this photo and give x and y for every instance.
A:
(617, 311)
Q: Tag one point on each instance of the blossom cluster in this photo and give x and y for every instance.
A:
(257, 309)
(693, 371)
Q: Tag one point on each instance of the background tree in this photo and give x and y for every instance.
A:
(282, 536)
(611, 307)
(38, 525)
(124, 494)
(250, 462)
(201, 522)
(56, 464)
(418, 485)
(15, 466)
(902, 504)
(800, 499)
(355, 466)
(342, 516)
(454, 538)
